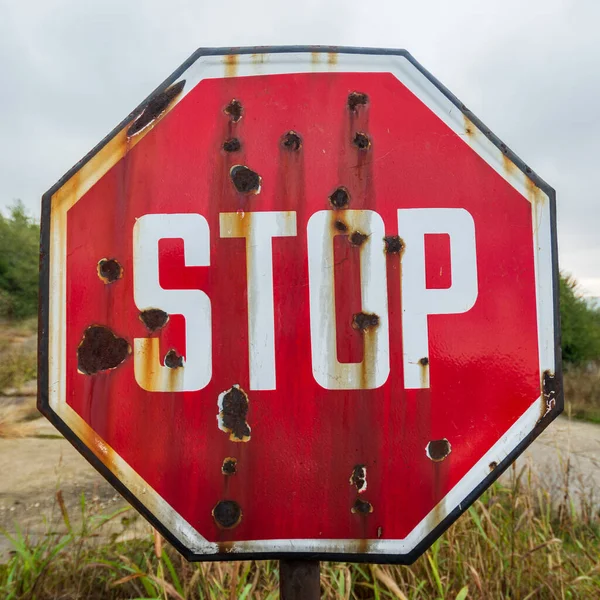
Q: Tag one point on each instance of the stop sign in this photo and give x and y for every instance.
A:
(300, 301)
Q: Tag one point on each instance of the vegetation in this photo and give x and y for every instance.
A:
(580, 325)
(515, 542)
(19, 256)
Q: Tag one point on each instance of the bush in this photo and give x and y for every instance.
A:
(580, 325)
(19, 257)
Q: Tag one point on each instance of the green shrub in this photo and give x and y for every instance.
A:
(19, 258)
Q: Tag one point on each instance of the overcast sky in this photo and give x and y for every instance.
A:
(72, 69)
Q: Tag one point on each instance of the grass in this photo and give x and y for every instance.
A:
(514, 542)
(18, 361)
(582, 392)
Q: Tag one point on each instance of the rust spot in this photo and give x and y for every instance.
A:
(493, 465)
(232, 145)
(508, 164)
(357, 238)
(341, 226)
(549, 391)
(231, 65)
(332, 59)
(359, 478)
(227, 514)
(109, 270)
(394, 244)
(438, 450)
(469, 127)
(229, 466)
(356, 99)
(156, 107)
(424, 361)
(362, 507)
(234, 110)
(291, 141)
(233, 412)
(362, 141)
(340, 198)
(245, 180)
(173, 360)
(363, 321)
(100, 350)
(154, 319)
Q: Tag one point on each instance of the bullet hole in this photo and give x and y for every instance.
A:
(341, 226)
(291, 141)
(356, 99)
(362, 507)
(356, 238)
(233, 412)
(438, 450)
(493, 465)
(363, 321)
(424, 361)
(549, 389)
(362, 141)
(232, 145)
(359, 478)
(173, 360)
(154, 319)
(393, 244)
(156, 107)
(227, 514)
(234, 110)
(229, 466)
(100, 350)
(245, 180)
(109, 270)
(340, 198)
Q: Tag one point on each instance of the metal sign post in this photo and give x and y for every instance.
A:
(299, 579)
(300, 302)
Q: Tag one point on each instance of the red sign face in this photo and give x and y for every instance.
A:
(301, 303)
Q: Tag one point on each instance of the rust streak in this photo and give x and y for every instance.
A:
(231, 65)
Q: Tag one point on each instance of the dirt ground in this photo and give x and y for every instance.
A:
(38, 464)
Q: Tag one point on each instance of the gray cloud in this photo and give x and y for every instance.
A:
(72, 70)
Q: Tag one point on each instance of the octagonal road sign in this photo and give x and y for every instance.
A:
(300, 301)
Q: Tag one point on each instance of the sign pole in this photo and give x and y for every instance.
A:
(299, 579)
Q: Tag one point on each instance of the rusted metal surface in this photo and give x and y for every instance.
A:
(109, 270)
(232, 145)
(361, 141)
(393, 244)
(227, 514)
(156, 107)
(356, 100)
(154, 319)
(291, 141)
(338, 180)
(340, 198)
(233, 415)
(229, 466)
(438, 450)
(245, 180)
(234, 110)
(100, 350)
